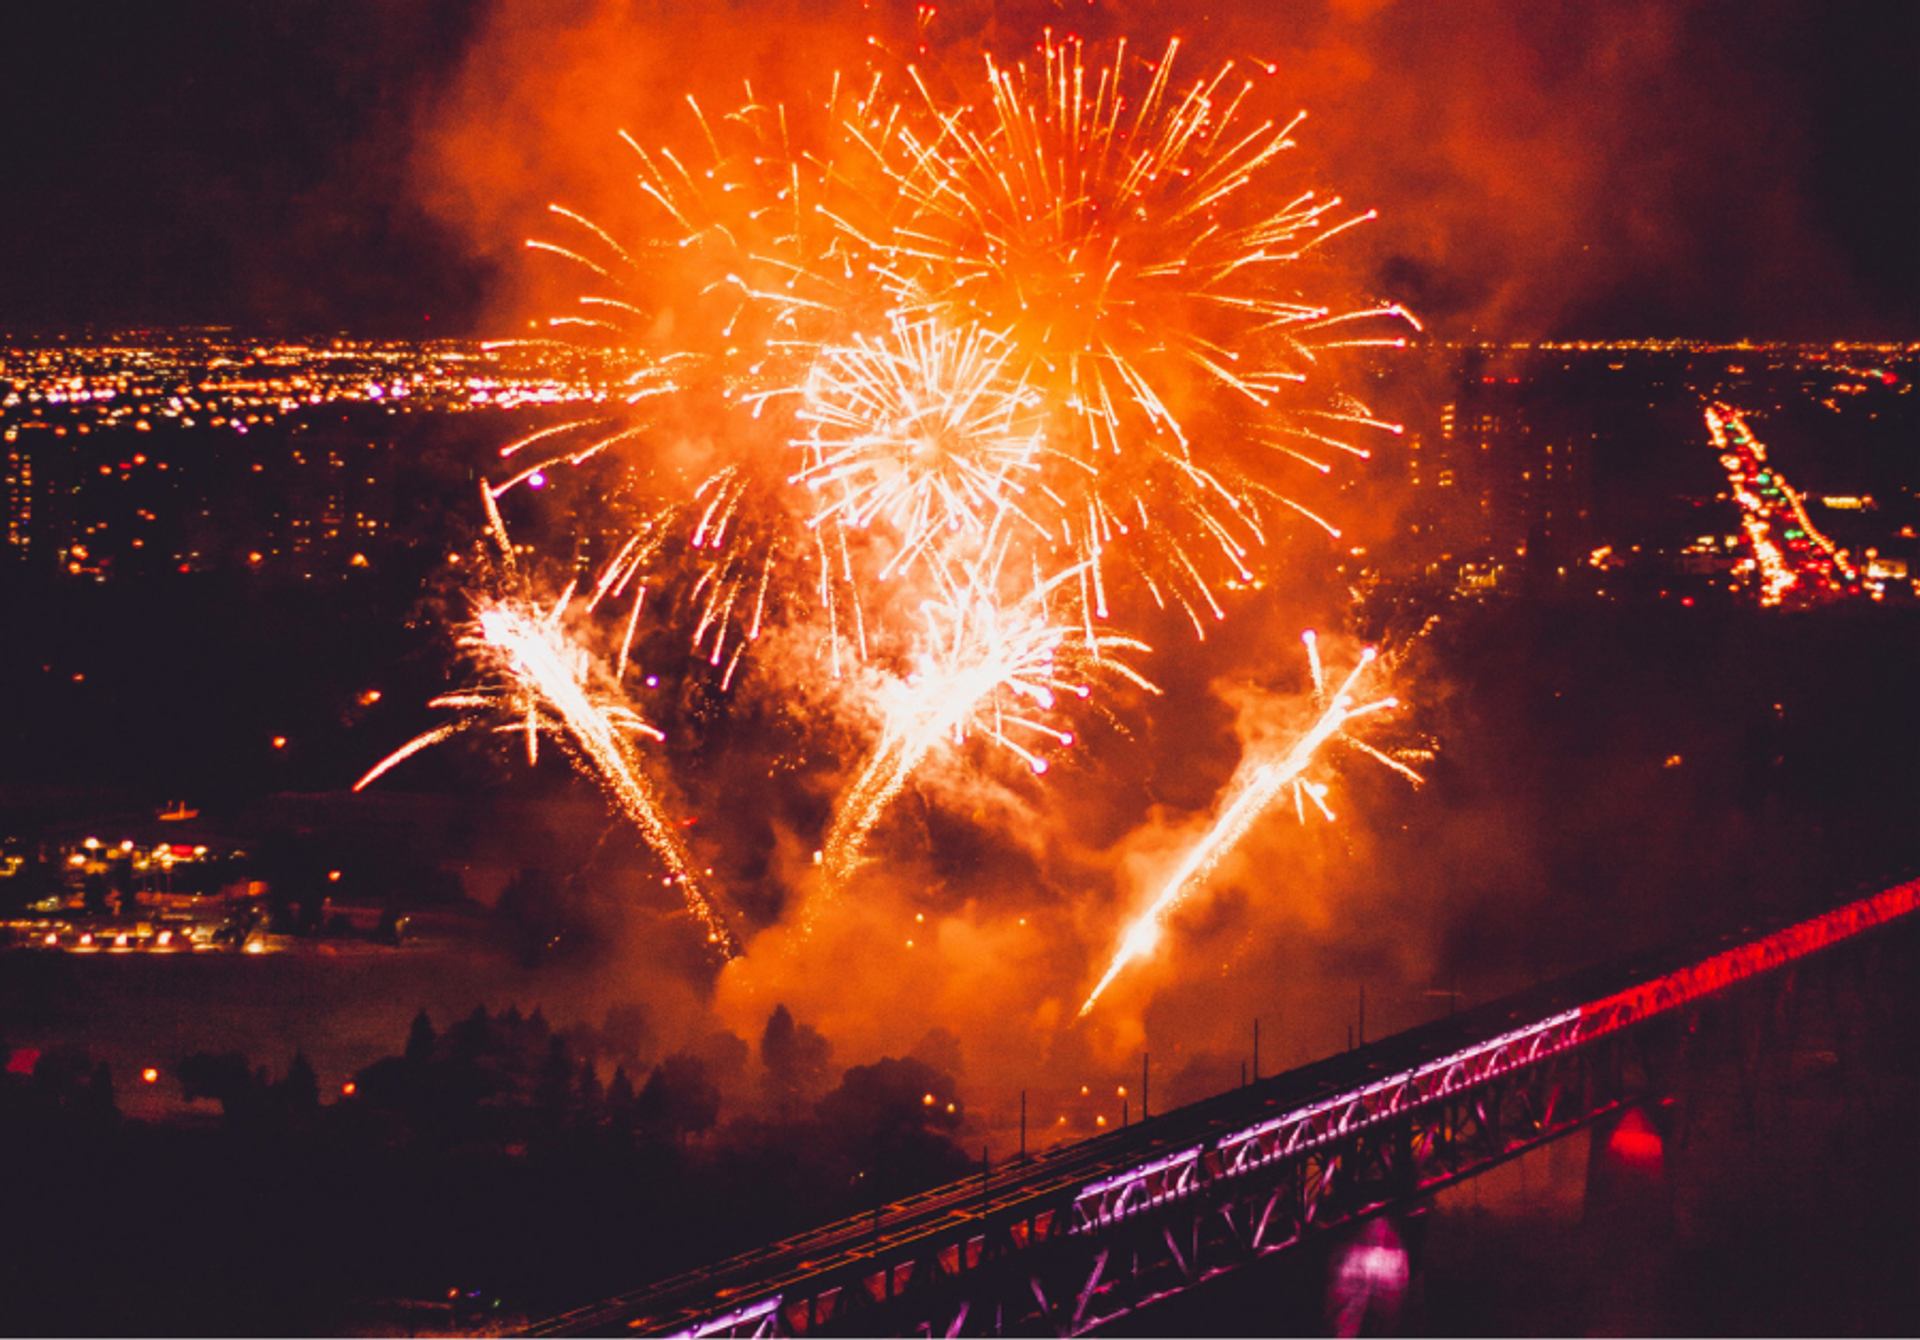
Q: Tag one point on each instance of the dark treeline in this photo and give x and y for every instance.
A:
(492, 1166)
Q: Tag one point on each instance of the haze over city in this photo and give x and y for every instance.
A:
(766, 668)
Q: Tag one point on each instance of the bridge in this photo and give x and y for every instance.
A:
(1085, 1233)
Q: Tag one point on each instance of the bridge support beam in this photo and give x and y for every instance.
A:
(1064, 1247)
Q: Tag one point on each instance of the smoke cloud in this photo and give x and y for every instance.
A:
(1524, 159)
(1527, 183)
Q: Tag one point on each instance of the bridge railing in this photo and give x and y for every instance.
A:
(1167, 1177)
(1202, 1155)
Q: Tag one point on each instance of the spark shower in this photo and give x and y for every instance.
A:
(979, 364)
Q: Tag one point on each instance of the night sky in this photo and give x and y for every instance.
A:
(1722, 168)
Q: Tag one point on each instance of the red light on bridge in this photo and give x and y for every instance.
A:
(1636, 1141)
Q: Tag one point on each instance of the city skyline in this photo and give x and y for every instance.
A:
(777, 668)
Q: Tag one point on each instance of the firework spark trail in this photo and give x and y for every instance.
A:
(542, 687)
(1265, 784)
(988, 666)
(536, 652)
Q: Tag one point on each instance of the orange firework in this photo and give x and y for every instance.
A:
(1128, 235)
(1255, 791)
(894, 346)
(1066, 294)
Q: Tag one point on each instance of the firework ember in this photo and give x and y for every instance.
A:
(986, 666)
(1264, 784)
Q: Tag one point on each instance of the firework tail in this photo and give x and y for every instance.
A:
(1262, 788)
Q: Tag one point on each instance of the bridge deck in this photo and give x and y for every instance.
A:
(1095, 1182)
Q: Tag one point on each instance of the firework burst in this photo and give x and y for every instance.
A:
(1062, 296)
(908, 368)
(1127, 235)
(923, 431)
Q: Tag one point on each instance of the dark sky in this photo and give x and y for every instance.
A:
(1723, 167)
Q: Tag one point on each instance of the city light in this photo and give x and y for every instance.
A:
(773, 541)
(1792, 562)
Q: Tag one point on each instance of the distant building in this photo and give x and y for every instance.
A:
(17, 490)
(1500, 478)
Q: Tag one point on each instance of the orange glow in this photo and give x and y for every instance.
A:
(964, 368)
(150, 1076)
(1251, 795)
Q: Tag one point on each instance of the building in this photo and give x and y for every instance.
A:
(1500, 478)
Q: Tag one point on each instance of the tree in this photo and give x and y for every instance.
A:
(795, 1058)
(471, 1036)
(897, 1117)
(620, 1099)
(588, 1096)
(554, 1088)
(939, 1048)
(224, 1077)
(300, 1090)
(626, 1032)
(420, 1040)
(679, 1099)
(724, 1054)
